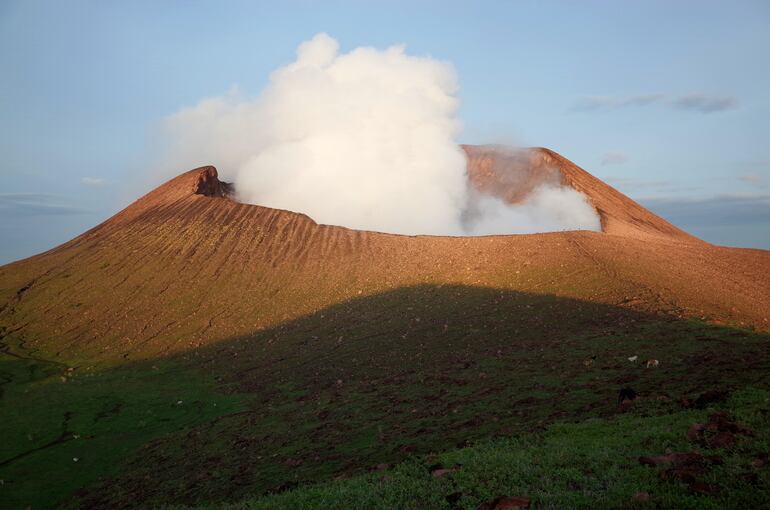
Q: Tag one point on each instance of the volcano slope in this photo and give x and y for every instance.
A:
(192, 349)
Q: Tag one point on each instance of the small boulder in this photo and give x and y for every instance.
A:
(710, 397)
(626, 394)
(454, 498)
(722, 422)
(438, 470)
(675, 459)
(722, 440)
(695, 432)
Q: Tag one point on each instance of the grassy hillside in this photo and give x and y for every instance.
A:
(63, 429)
(374, 380)
(591, 465)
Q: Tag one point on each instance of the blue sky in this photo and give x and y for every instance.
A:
(667, 101)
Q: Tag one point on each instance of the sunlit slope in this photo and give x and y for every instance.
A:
(186, 266)
(511, 174)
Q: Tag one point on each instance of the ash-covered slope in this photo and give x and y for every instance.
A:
(186, 266)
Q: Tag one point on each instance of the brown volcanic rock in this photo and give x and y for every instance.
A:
(209, 185)
(186, 266)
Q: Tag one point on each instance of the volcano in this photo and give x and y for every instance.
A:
(186, 265)
(320, 325)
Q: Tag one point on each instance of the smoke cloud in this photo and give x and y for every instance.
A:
(365, 139)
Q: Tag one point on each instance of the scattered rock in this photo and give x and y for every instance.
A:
(722, 440)
(676, 459)
(721, 431)
(722, 422)
(626, 394)
(438, 470)
(454, 498)
(506, 503)
(695, 432)
(710, 397)
(685, 468)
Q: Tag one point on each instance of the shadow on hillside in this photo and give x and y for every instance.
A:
(419, 370)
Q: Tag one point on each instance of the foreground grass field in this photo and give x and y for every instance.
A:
(61, 431)
(590, 465)
(520, 389)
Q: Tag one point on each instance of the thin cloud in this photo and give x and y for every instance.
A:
(605, 103)
(705, 104)
(753, 179)
(694, 102)
(93, 182)
(614, 158)
(36, 204)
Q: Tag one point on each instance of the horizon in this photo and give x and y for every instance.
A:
(677, 121)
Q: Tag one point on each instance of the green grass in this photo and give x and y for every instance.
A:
(64, 429)
(587, 465)
(345, 389)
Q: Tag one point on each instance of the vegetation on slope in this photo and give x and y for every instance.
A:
(378, 379)
(590, 465)
(63, 429)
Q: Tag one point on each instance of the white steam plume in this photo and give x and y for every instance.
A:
(365, 139)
